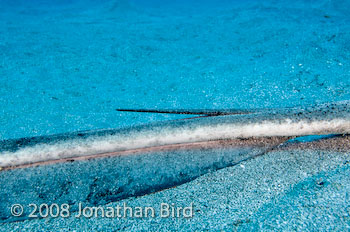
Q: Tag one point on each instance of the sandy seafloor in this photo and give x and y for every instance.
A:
(66, 65)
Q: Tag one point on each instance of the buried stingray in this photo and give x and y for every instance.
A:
(96, 167)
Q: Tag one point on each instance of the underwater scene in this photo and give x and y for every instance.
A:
(174, 115)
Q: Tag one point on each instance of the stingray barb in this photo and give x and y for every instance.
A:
(218, 112)
(204, 112)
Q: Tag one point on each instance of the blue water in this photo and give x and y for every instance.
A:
(66, 65)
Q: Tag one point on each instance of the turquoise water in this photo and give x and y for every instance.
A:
(67, 65)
